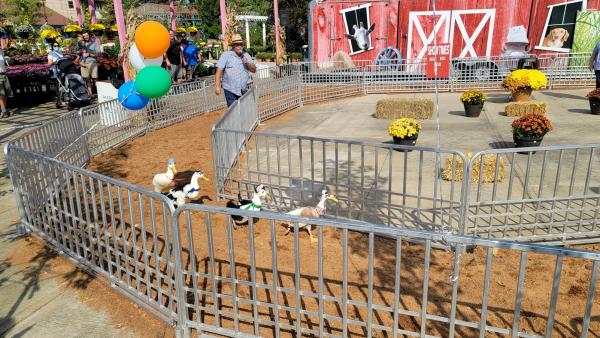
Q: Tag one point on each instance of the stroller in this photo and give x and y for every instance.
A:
(71, 89)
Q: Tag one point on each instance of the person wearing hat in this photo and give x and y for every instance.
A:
(233, 71)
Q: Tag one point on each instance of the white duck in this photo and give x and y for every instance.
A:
(311, 212)
(249, 205)
(190, 192)
(163, 182)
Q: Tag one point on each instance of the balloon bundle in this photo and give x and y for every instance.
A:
(146, 56)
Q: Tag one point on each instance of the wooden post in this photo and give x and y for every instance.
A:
(77, 4)
(277, 42)
(92, 10)
(122, 35)
(172, 15)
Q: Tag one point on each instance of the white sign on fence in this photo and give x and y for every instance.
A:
(110, 114)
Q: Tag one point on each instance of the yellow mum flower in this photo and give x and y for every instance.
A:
(404, 127)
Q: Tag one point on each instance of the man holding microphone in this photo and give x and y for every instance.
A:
(233, 71)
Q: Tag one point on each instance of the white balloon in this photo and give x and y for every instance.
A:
(137, 60)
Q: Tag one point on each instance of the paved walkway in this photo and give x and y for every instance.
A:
(33, 299)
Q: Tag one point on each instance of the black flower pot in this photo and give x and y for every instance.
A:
(473, 110)
(595, 106)
(527, 141)
(407, 141)
(23, 35)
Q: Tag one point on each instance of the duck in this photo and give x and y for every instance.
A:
(190, 192)
(164, 182)
(311, 212)
(255, 204)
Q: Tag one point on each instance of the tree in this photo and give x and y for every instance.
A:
(296, 31)
(210, 14)
(23, 11)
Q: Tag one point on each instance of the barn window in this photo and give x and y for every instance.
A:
(357, 18)
(560, 26)
(70, 4)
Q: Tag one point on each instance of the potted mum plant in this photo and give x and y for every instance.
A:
(24, 31)
(404, 131)
(522, 82)
(193, 31)
(97, 28)
(594, 98)
(529, 130)
(72, 30)
(473, 101)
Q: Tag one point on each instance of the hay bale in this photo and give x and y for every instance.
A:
(342, 60)
(419, 109)
(516, 109)
(489, 169)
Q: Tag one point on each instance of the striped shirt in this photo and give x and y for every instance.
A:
(236, 75)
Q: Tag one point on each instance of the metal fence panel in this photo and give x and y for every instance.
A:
(551, 194)
(376, 183)
(369, 281)
(276, 96)
(119, 231)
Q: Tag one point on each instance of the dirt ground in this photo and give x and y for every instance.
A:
(189, 143)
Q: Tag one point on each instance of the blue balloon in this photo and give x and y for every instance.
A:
(130, 98)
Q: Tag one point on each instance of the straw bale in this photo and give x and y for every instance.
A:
(516, 109)
(489, 169)
(419, 109)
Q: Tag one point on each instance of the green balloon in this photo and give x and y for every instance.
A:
(153, 82)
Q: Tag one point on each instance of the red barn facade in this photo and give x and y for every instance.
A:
(474, 28)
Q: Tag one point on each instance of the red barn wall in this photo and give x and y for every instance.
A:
(392, 25)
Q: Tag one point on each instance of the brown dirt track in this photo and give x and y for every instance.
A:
(189, 142)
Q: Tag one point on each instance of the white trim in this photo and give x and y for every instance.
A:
(355, 8)
(543, 34)
(563, 50)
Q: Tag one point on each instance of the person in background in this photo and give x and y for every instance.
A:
(54, 55)
(174, 59)
(233, 71)
(595, 63)
(190, 53)
(5, 90)
(89, 67)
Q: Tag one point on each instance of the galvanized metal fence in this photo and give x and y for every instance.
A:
(353, 282)
(375, 183)
(550, 194)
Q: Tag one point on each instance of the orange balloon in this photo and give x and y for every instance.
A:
(152, 39)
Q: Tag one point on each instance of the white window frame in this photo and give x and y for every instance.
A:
(543, 35)
(355, 8)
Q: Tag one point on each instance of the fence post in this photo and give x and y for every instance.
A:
(84, 134)
(464, 199)
(300, 100)
(21, 229)
(181, 329)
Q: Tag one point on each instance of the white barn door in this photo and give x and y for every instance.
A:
(419, 22)
(447, 25)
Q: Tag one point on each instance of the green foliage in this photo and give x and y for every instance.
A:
(296, 55)
(113, 51)
(23, 11)
(265, 55)
(209, 13)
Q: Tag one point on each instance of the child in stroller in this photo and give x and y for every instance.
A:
(71, 88)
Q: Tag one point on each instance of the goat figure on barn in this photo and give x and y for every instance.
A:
(361, 35)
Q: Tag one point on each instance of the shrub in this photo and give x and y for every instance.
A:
(473, 97)
(265, 55)
(404, 127)
(525, 78)
(531, 125)
(296, 55)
